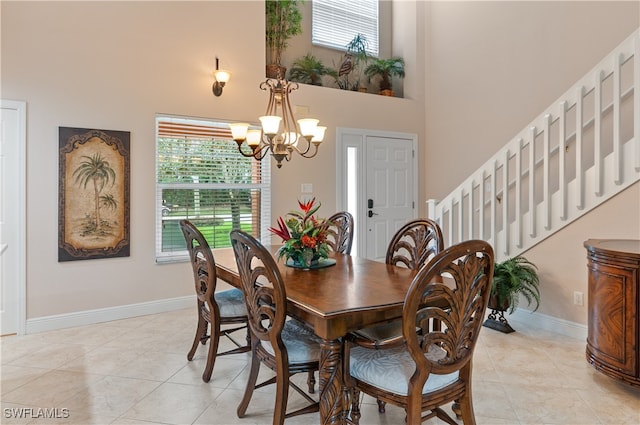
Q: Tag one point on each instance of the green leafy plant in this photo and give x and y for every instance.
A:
(309, 70)
(283, 20)
(304, 235)
(385, 69)
(511, 278)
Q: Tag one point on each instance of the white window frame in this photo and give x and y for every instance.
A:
(264, 186)
(335, 22)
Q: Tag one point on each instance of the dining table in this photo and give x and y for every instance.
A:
(352, 294)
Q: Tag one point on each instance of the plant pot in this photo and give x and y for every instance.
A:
(496, 319)
(276, 71)
(495, 305)
(387, 92)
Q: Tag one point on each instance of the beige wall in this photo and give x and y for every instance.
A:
(114, 65)
(489, 68)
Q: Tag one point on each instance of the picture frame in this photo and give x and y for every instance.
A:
(93, 194)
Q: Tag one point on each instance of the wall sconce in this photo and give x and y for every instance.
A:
(222, 78)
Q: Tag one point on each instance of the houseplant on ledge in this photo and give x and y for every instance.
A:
(309, 70)
(304, 236)
(511, 278)
(282, 21)
(385, 69)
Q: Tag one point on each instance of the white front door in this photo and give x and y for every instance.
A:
(12, 216)
(377, 183)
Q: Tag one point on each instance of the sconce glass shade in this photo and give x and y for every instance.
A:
(290, 138)
(308, 126)
(270, 124)
(253, 138)
(239, 130)
(318, 135)
(222, 76)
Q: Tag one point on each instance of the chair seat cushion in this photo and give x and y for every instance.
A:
(303, 346)
(381, 332)
(391, 370)
(231, 303)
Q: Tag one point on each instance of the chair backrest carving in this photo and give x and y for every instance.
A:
(202, 262)
(340, 232)
(415, 243)
(461, 275)
(263, 288)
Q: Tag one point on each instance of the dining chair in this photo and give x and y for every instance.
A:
(215, 309)
(340, 232)
(283, 345)
(411, 246)
(433, 367)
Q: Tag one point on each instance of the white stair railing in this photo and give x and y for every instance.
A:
(581, 151)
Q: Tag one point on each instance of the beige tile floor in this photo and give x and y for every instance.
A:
(135, 371)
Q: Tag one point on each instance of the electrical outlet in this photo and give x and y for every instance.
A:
(578, 298)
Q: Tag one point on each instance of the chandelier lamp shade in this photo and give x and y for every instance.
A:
(281, 134)
(221, 78)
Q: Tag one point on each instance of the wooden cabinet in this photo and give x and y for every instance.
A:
(614, 301)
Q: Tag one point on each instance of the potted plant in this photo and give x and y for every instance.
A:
(282, 21)
(353, 60)
(511, 278)
(309, 70)
(385, 69)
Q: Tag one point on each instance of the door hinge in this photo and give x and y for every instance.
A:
(413, 153)
(413, 205)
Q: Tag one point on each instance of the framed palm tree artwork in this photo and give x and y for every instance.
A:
(93, 194)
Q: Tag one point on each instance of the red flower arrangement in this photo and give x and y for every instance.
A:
(303, 234)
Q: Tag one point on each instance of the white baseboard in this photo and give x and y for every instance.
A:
(90, 317)
(550, 323)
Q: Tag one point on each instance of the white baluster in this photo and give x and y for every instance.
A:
(579, 163)
(471, 210)
(481, 202)
(532, 185)
(617, 153)
(562, 148)
(546, 197)
(451, 201)
(518, 200)
(597, 150)
(636, 99)
(494, 193)
(505, 202)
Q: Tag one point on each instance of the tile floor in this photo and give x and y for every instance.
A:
(135, 371)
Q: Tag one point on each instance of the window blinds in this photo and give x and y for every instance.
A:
(336, 22)
(200, 176)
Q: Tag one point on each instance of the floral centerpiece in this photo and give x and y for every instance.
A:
(304, 235)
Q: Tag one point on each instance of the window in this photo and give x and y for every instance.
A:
(201, 176)
(336, 22)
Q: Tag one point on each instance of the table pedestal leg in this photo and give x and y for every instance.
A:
(332, 397)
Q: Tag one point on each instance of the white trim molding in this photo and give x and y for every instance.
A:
(90, 317)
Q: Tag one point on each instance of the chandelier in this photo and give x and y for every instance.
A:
(281, 140)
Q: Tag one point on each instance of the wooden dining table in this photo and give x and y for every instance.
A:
(350, 295)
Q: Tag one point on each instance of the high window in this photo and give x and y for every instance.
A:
(200, 176)
(336, 22)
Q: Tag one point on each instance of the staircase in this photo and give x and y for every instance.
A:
(580, 152)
